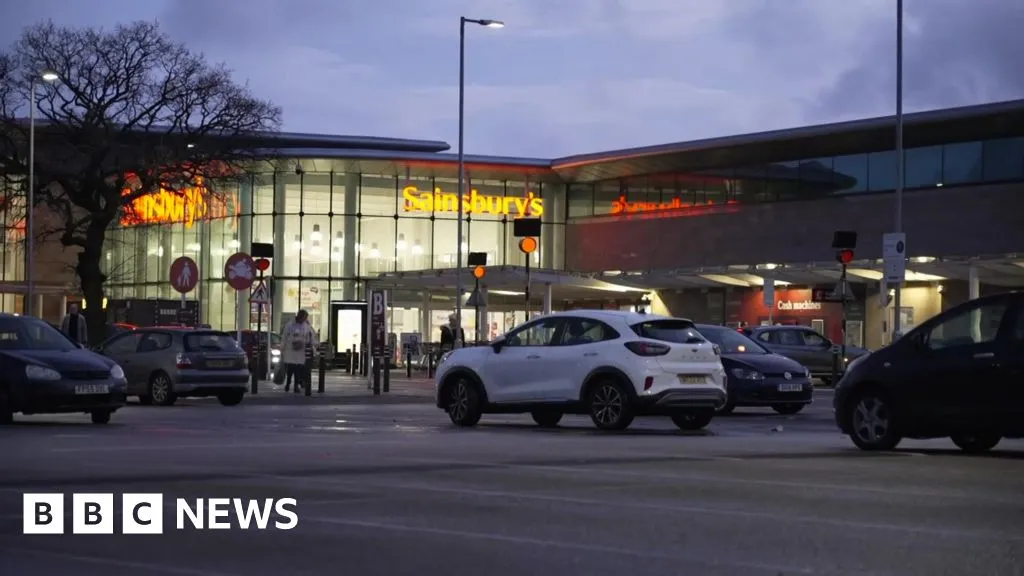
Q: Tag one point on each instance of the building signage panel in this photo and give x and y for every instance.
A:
(416, 200)
(622, 206)
(378, 323)
(804, 305)
(185, 206)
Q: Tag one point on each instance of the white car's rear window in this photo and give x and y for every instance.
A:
(676, 331)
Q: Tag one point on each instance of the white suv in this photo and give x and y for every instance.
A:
(609, 364)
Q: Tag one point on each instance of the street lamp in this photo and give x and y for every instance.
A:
(462, 168)
(30, 290)
(899, 153)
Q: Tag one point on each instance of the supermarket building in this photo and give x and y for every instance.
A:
(691, 228)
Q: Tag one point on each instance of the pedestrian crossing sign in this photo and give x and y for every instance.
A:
(259, 294)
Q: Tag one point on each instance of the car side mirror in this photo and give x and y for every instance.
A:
(497, 345)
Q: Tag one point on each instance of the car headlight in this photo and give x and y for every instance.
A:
(745, 374)
(116, 372)
(33, 372)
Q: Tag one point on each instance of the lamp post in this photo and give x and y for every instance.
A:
(462, 169)
(30, 289)
(899, 153)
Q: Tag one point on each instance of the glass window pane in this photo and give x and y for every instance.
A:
(487, 236)
(581, 200)
(882, 171)
(961, 163)
(445, 238)
(376, 245)
(523, 200)
(314, 299)
(414, 243)
(850, 173)
(1004, 159)
(923, 167)
(316, 244)
(749, 184)
(378, 196)
(263, 193)
(291, 184)
(316, 193)
(441, 202)
(607, 197)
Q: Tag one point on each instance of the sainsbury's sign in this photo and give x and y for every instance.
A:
(417, 200)
(622, 206)
(184, 206)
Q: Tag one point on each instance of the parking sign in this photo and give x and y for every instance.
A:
(378, 323)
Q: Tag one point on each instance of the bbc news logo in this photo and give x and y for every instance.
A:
(144, 514)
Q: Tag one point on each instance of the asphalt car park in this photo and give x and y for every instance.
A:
(397, 489)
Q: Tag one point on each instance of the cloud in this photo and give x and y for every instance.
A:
(574, 76)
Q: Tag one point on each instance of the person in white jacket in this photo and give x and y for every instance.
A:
(298, 341)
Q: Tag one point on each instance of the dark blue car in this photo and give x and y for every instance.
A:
(757, 377)
(46, 373)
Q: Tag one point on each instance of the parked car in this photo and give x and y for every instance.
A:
(248, 344)
(611, 365)
(958, 375)
(805, 345)
(46, 373)
(757, 377)
(167, 363)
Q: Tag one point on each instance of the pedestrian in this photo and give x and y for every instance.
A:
(73, 326)
(297, 340)
(451, 334)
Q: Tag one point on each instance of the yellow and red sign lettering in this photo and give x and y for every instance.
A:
(417, 200)
(621, 206)
(184, 206)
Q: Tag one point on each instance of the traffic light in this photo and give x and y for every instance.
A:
(528, 245)
(479, 272)
(844, 256)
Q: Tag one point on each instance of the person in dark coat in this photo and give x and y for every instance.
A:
(73, 326)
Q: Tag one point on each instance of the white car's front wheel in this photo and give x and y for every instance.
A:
(463, 403)
(610, 406)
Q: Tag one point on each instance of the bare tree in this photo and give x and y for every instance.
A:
(131, 113)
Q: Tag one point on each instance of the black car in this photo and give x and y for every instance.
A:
(805, 345)
(757, 377)
(958, 375)
(46, 373)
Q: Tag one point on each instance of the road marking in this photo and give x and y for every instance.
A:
(157, 568)
(661, 506)
(591, 548)
(224, 446)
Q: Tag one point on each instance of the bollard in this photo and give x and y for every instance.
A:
(387, 374)
(835, 367)
(351, 361)
(430, 364)
(322, 376)
(307, 377)
(376, 377)
(408, 364)
(254, 372)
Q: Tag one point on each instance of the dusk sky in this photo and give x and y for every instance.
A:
(576, 76)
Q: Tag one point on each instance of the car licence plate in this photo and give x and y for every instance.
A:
(92, 389)
(220, 363)
(691, 379)
(790, 387)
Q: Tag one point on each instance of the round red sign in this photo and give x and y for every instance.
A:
(239, 271)
(184, 274)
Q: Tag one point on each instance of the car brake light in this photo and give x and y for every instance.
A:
(718, 351)
(182, 361)
(647, 348)
(648, 382)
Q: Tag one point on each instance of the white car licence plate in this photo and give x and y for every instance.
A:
(691, 378)
(92, 389)
(790, 387)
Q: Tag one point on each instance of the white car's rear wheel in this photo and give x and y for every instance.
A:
(610, 406)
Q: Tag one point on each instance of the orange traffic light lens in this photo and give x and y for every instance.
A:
(528, 245)
(479, 272)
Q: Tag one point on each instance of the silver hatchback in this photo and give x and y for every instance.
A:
(164, 364)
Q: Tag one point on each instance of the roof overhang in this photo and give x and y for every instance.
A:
(999, 120)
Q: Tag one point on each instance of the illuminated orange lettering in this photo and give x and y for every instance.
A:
(185, 206)
(621, 206)
(416, 200)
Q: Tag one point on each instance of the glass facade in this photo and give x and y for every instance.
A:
(12, 223)
(331, 231)
(989, 161)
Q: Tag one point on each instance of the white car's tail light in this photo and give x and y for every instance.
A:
(647, 348)
(648, 382)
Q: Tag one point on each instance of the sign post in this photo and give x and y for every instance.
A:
(894, 263)
(260, 296)
(239, 272)
(378, 336)
(184, 277)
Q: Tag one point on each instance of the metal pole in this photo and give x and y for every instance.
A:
(899, 153)
(462, 169)
(30, 280)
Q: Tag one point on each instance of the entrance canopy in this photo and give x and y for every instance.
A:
(1005, 271)
(509, 283)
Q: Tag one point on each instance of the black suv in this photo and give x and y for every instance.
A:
(803, 344)
(958, 375)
